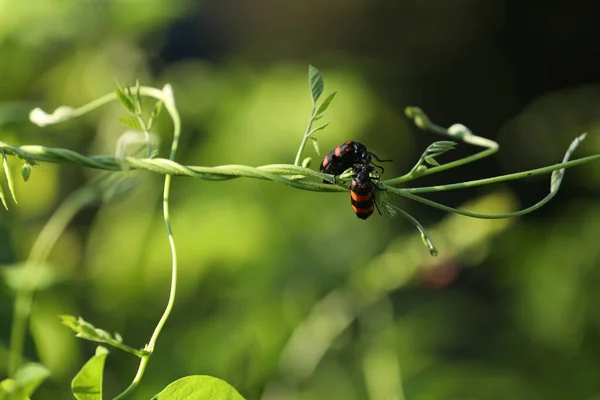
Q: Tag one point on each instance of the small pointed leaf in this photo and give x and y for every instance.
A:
(27, 277)
(8, 388)
(131, 122)
(318, 128)
(324, 106)
(315, 79)
(138, 96)
(29, 377)
(437, 149)
(431, 161)
(3, 198)
(125, 100)
(198, 387)
(84, 329)
(9, 178)
(87, 384)
(315, 144)
(154, 114)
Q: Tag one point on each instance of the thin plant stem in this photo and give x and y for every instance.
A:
(463, 161)
(465, 213)
(39, 252)
(490, 146)
(307, 134)
(496, 179)
(169, 104)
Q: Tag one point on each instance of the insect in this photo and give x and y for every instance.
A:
(345, 156)
(362, 194)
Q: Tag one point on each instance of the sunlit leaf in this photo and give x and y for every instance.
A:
(87, 384)
(7, 387)
(9, 177)
(306, 162)
(131, 122)
(125, 100)
(324, 106)
(154, 114)
(22, 277)
(315, 144)
(318, 128)
(30, 376)
(198, 387)
(3, 198)
(138, 96)
(435, 150)
(315, 79)
(431, 161)
(85, 330)
(27, 379)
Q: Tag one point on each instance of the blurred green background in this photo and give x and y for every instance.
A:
(286, 294)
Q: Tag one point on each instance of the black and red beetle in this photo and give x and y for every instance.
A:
(362, 191)
(347, 155)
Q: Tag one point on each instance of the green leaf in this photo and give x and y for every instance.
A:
(138, 97)
(431, 161)
(441, 146)
(27, 379)
(306, 162)
(154, 114)
(324, 106)
(7, 387)
(3, 198)
(318, 128)
(315, 79)
(125, 100)
(87, 384)
(26, 171)
(132, 122)
(30, 376)
(85, 330)
(22, 277)
(315, 144)
(435, 150)
(9, 178)
(198, 387)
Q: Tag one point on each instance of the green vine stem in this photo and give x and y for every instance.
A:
(306, 135)
(166, 96)
(316, 86)
(38, 153)
(456, 132)
(284, 173)
(290, 175)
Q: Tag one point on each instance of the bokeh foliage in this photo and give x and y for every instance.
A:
(507, 310)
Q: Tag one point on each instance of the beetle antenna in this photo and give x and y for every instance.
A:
(379, 159)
